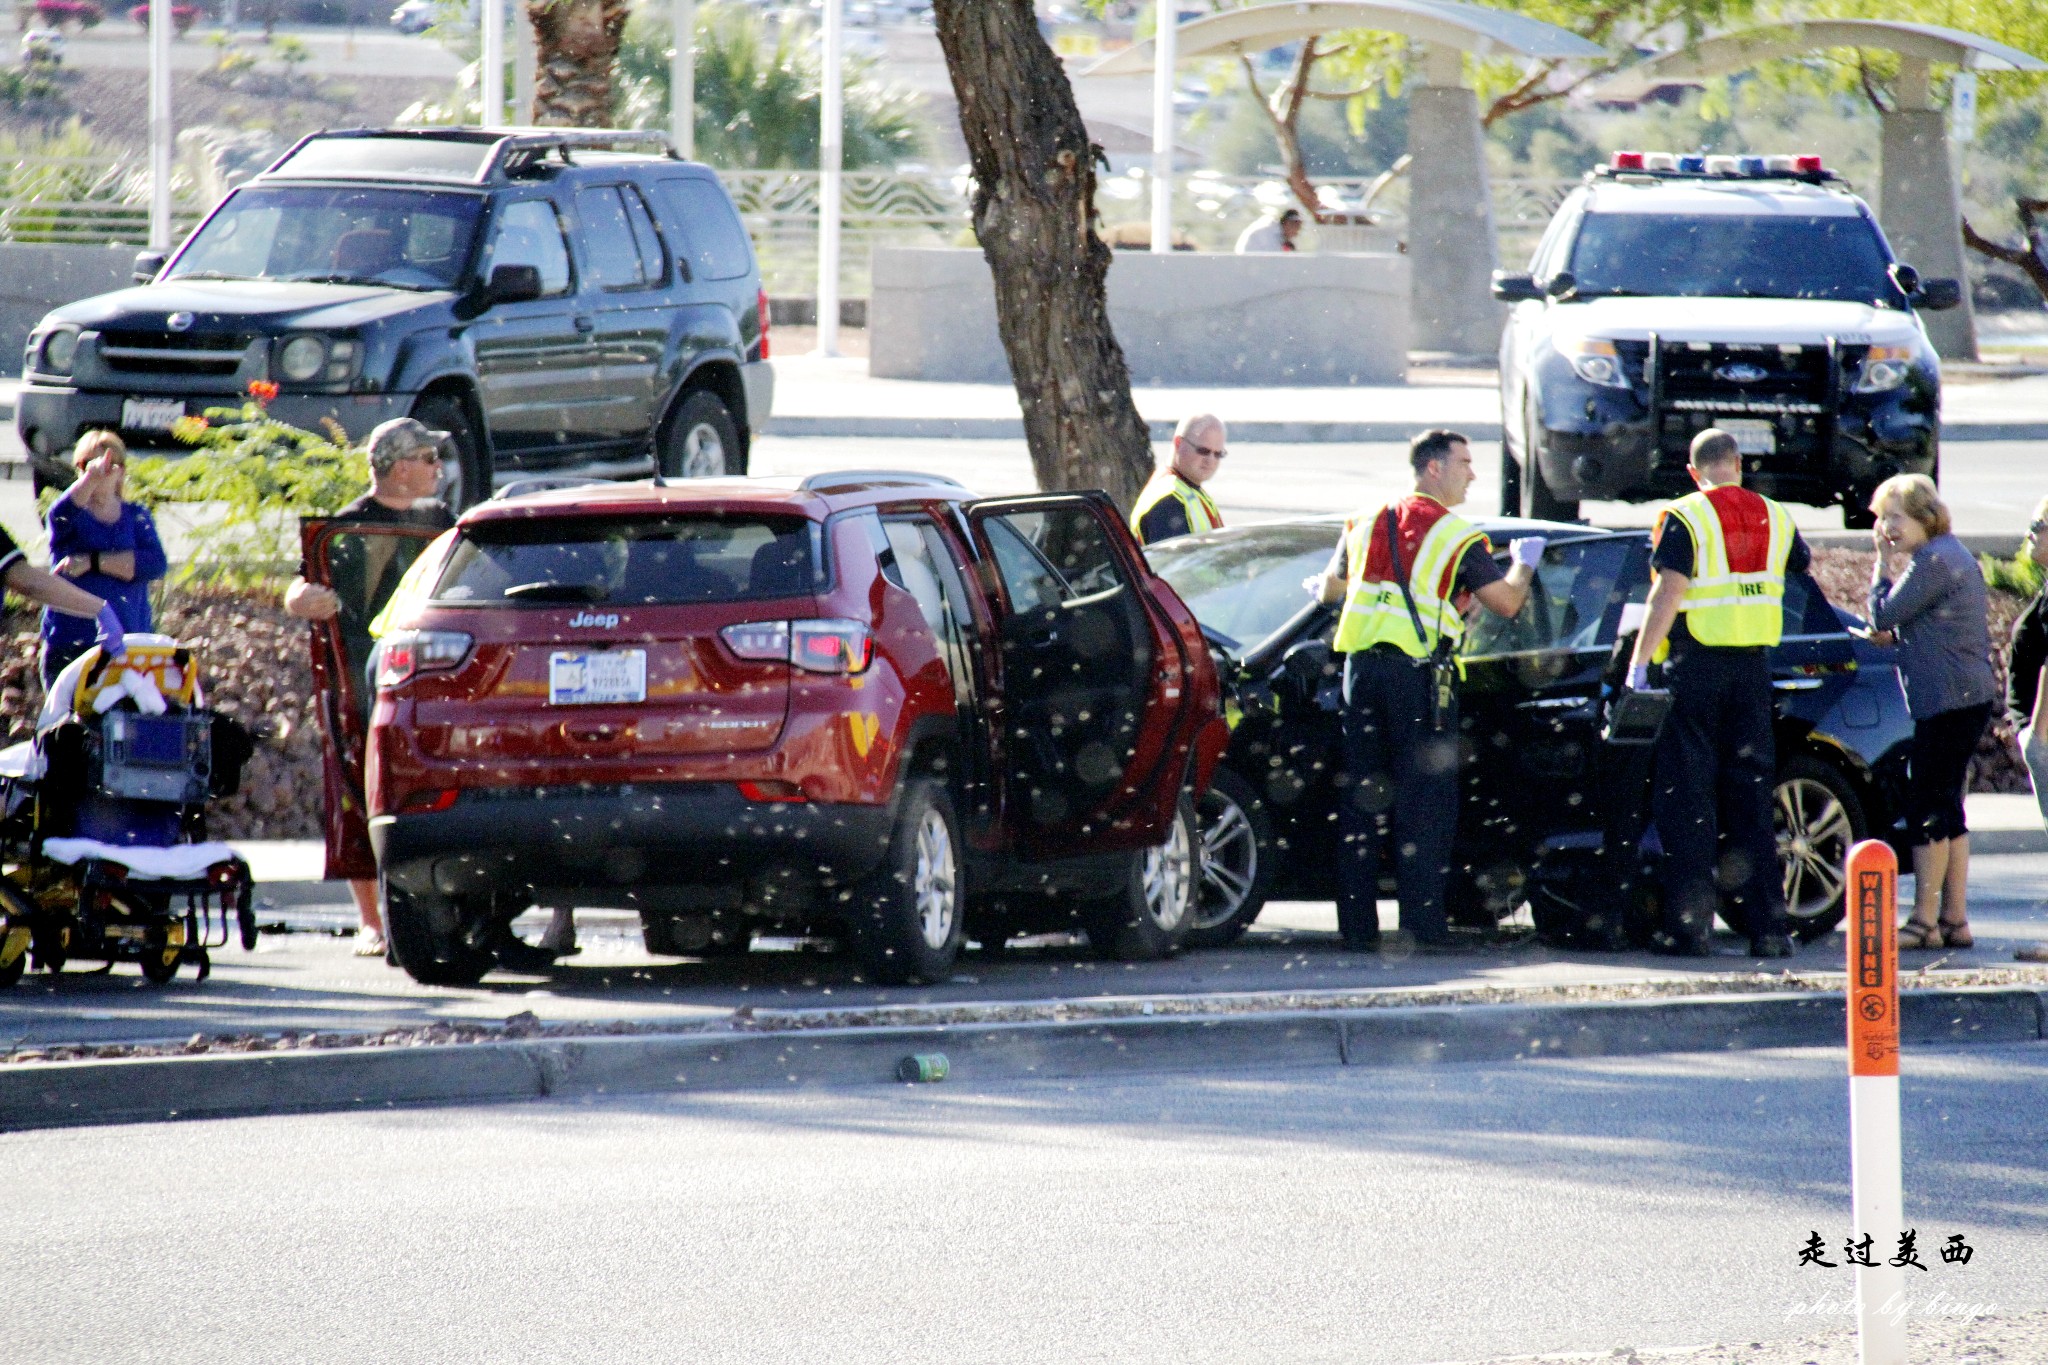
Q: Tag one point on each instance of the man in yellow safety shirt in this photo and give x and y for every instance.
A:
(1400, 736)
(1718, 602)
(1172, 503)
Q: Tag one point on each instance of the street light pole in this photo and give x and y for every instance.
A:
(831, 157)
(160, 131)
(1166, 28)
(682, 81)
(490, 85)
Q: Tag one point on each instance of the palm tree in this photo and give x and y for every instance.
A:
(576, 45)
(757, 94)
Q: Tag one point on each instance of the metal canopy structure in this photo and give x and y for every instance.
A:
(1451, 248)
(1918, 203)
(1444, 23)
(1732, 52)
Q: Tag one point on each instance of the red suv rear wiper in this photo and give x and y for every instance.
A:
(557, 592)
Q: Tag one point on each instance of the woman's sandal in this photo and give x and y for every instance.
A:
(1957, 936)
(1917, 937)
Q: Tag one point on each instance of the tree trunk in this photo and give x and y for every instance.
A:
(1034, 213)
(576, 45)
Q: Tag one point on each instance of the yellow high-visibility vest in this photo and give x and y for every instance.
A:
(1722, 607)
(1201, 511)
(1377, 613)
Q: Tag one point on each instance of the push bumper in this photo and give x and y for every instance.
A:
(674, 834)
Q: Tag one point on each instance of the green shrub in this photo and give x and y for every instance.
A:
(256, 477)
(2020, 575)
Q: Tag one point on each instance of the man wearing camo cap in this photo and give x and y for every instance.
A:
(405, 474)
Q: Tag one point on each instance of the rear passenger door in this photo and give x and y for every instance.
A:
(925, 563)
(1091, 703)
(625, 292)
(534, 359)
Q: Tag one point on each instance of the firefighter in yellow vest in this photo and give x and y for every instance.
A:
(1172, 503)
(1716, 607)
(1400, 735)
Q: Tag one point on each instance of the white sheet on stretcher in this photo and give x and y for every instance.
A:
(179, 861)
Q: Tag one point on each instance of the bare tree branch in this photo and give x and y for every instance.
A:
(2025, 257)
(1870, 91)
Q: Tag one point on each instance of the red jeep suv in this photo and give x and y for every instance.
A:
(865, 705)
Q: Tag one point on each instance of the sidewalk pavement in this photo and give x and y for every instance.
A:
(287, 871)
(815, 396)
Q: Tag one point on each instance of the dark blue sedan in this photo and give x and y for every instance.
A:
(1552, 816)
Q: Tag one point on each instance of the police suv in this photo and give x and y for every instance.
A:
(1754, 294)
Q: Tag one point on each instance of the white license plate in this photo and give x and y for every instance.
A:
(1753, 436)
(150, 414)
(614, 675)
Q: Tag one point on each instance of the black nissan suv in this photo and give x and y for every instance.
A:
(550, 297)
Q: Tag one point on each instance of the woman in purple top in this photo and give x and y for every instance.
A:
(106, 546)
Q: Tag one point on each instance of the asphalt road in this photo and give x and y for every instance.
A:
(310, 981)
(1367, 1217)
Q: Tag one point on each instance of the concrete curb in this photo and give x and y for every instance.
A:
(68, 1094)
(1247, 433)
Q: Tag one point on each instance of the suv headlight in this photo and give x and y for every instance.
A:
(1884, 368)
(59, 349)
(1594, 361)
(308, 359)
(302, 358)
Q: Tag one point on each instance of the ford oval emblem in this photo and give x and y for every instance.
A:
(1741, 373)
(179, 322)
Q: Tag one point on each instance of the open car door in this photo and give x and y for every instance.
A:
(1095, 711)
(362, 563)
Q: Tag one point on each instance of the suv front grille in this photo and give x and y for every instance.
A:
(1723, 377)
(174, 353)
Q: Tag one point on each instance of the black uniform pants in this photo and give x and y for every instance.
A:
(1716, 762)
(1396, 766)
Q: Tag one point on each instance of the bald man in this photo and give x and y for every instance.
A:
(1172, 503)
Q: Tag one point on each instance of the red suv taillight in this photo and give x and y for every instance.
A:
(407, 653)
(819, 646)
(762, 301)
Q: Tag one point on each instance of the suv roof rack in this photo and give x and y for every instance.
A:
(521, 147)
(502, 153)
(878, 478)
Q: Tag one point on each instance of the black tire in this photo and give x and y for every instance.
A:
(427, 938)
(1237, 861)
(1150, 915)
(908, 917)
(1538, 502)
(701, 440)
(159, 964)
(1819, 818)
(465, 476)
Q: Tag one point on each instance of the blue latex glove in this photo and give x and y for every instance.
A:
(1638, 677)
(110, 632)
(1527, 551)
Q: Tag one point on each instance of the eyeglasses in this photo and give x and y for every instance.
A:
(2037, 525)
(1203, 450)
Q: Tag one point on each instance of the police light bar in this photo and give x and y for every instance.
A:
(1699, 166)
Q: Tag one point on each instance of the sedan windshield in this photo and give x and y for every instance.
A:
(1732, 256)
(1245, 584)
(409, 239)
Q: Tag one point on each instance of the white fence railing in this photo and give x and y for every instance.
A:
(81, 201)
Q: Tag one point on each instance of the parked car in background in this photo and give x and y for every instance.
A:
(864, 705)
(42, 46)
(567, 298)
(414, 16)
(1550, 814)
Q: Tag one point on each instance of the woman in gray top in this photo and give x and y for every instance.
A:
(1927, 597)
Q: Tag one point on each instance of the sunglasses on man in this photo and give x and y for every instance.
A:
(1203, 450)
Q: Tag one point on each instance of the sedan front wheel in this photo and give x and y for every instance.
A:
(1819, 818)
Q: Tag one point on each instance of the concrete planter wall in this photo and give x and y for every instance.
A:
(1185, 318)
(34, 279)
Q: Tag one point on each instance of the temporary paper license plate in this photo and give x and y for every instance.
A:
(150, 414)
(1753, 435)
(615, 675)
